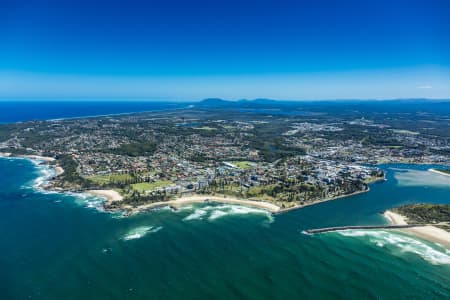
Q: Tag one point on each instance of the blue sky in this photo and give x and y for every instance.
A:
(189, 50)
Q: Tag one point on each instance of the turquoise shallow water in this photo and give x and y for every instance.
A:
(55, 246)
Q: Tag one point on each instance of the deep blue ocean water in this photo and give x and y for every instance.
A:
(57, 246)
(17, 111)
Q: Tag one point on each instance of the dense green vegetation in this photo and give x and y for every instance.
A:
(289, 191)
(5, 132)
(70, 174)
(426, 214)
(271, 146)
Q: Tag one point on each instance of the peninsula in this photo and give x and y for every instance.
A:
(224, 150)
(434, 217)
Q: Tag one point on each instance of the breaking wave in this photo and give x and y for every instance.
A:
(88, 200)
(212, 213)
(45, 173)
(141, 231)
(198, 214)
(399, 244)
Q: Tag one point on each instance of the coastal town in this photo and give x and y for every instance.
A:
(148, 159)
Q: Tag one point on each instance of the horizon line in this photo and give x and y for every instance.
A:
(172, 100)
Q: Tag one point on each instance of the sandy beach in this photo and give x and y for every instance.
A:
(438, 172)
(183, 201)
(110, 195)
(428, 232)
(59, 170)
(203, 199)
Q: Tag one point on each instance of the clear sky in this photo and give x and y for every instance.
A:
(189, 50)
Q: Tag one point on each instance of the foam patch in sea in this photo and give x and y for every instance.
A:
(198, 214)
(88, 200)
(215, 212)
(140, 231)
(45, 173)
(399, 244)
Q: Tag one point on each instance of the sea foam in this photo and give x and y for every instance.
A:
(214, 212)
(140, 231)
(198, 214)
(398, 243)
(45, 173)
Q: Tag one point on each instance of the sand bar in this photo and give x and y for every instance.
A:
(428, 232)
(439, 172)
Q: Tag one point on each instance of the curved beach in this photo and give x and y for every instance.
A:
(110, 195)
(205, 199)
(428, 232)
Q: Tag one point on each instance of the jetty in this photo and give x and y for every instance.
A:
(340, 228)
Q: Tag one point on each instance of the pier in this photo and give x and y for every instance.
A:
(340, 228)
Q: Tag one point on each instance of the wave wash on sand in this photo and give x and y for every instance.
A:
(427, 232)
(215, 212)
(400, 244)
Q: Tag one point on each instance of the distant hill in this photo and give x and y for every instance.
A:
(404, 105)
(215, 102)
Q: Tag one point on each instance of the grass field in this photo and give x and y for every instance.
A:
(207, 128)
(105, 179)
(243, 164)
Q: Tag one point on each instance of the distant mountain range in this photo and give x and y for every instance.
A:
(405, 105)
(218, 102)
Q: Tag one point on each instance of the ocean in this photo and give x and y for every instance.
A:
(19, 111)
(61, 246)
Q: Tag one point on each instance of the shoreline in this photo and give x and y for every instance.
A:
(27, 156)
(427, 232)
(37, 159)
(183, 201)
(187, 200)
(283, 210)
(412, 163)
(110, 195)
(438, 172)
(113, 196)
(271, 207)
